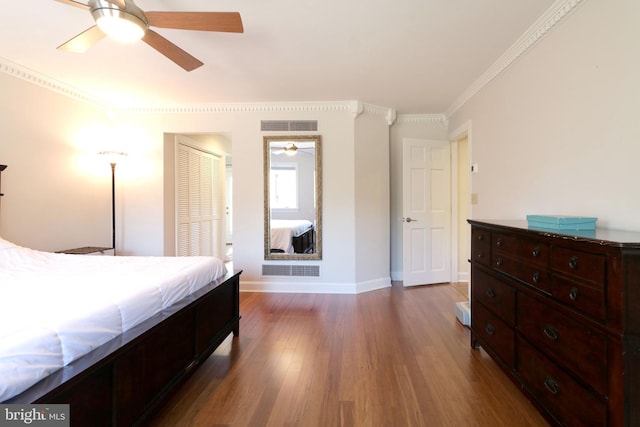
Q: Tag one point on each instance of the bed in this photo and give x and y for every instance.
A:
(292, 236)
(110, 336)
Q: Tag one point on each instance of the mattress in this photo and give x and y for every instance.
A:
(54, 308)
(283, 230)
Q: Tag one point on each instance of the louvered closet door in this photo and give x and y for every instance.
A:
(199, 203)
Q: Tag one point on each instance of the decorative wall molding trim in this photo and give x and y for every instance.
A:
(549, 20)
(31, 76)
(354, 107)
(440, 119)
(242, 108)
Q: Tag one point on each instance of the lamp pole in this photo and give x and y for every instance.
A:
(113, 207)
(112, 157)
(2, 167)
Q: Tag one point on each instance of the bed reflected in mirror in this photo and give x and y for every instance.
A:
(292, 197)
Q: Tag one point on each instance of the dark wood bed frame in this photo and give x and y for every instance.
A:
(125, 380)
(304, 243)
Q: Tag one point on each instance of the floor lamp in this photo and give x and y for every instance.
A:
(2, 167)
(113, 157)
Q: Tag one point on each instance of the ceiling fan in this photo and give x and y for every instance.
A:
(124, 20)
(290, 149)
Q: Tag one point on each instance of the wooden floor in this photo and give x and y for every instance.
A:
(392, 357)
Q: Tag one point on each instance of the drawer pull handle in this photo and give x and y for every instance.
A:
(573, 262)
(551, 385)
(499, 242)
(499, 262)
(573, 294)
(480, 236)
(491, 293)
(551, 332)
(536, 251)
(536, 277)
(490, 329)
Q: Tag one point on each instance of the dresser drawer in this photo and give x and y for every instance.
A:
(578, 264)
(531, 274)
(530, 251)
(498, 335)
(481, 245)
(564, 398)
(585, 297)
(494, 294)
(570, 343)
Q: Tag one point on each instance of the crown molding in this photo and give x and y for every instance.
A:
(46, 82)
(18, 71)
(355, 108)
(440, 119)
(543, 25)
(241, 107)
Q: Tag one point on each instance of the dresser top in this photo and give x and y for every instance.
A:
(600, 236)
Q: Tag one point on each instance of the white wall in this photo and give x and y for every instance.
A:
(558, 131)
(57, 190)
(372, 199)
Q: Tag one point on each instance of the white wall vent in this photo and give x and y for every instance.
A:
(291, 270)
(289, 125)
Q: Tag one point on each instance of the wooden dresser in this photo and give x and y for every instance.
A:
(560, 313)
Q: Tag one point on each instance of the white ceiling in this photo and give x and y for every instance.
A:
(415, 56)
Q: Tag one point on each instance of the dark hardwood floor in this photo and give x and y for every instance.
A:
(392, 357)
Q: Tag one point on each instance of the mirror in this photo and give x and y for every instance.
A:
(292, 197)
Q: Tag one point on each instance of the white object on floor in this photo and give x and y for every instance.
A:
(463, 312)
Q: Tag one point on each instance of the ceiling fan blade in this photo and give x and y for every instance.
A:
(229, 22)
(171, 51)
(74, 3)
(83, 41)
(120, 3)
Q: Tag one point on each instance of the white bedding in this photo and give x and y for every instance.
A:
(55, 308)
(282, 230)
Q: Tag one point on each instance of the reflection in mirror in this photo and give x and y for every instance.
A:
(292, 197)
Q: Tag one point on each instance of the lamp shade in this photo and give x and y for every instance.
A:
(112, 157)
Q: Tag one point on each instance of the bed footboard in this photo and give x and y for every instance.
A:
(125, 380)
(304, 243)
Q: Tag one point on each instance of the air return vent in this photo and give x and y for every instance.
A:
(291, 270)
(289, 125)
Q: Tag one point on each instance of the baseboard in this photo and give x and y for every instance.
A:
(314, 288)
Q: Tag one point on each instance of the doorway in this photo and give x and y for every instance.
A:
(426, 211)
(458, 238)
(199, 196)
(217, 145)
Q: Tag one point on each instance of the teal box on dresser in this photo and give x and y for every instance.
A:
(562, 222)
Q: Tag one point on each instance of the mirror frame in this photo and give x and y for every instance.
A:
(317, 255)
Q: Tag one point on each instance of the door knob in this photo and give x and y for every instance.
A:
(409, 219)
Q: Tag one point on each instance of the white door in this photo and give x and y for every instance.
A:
(426, 199)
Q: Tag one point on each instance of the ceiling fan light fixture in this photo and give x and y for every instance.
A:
(119, 24)
(290, 149)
